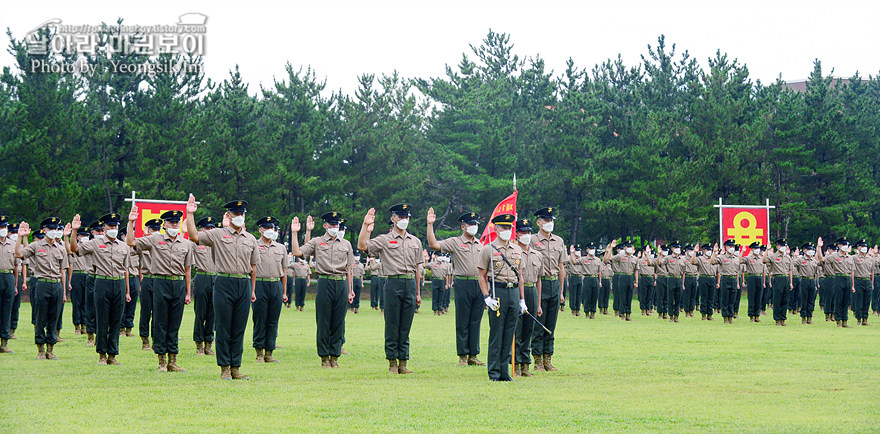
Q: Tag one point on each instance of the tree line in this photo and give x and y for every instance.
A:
(620, 150)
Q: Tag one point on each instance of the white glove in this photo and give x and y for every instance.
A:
(491, 303)
(522, 306)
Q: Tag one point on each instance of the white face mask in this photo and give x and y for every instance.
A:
(13, 237)
(730, 249)
(112, 233)
(270, 234)
(676, 251)
(548, 227)
(333, 232)
(237, 221)
(403, 224)
(525, 238)
(691, 253)
(472, 230)
(664, 252)
(341, 233)
(505, 235)
(4, 232)
(172, 232)
(845, 248)
(630, 250)
(577, 254)
(592, 252)
(811, 252)
(863, 250)
(55, 234)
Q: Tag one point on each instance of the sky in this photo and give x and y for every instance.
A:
(341, 40)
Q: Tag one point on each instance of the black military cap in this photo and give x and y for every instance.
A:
(689, 247)
(763, 247)
(401, 209)
(172, 216)
(589, 246)
(82, 231)
(524, 225)
(51, 223)
(833, 247)
(39, 235)
(331, 218)
(236, 206)
(808, 246)
(267, 222)
(504, 219)
(842, 241)
(12, 228)
(122, 232)
(738, 246)
(577, 248)
(96, 226)
(547, 213)
(862, 243)
(781, 242)
(675, 244)
(154, 224)
(706, 246)
(342, 224)
(664, 247)
(627, 243)
(4, 221)
(111, 219)
(755, 246)
(470, 218)
(207, 222)
(730, 243)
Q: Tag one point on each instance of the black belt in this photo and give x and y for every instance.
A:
(505, 284)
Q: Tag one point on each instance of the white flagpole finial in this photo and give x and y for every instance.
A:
(514, 181)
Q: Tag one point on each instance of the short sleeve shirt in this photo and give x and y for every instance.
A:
(401, 254)
(332, 256)
(234, 252)
(464, 254)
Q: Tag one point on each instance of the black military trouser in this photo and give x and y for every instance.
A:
(90, 313)
(267, 312)
(604, 293)
(615, 288)
(875, 302)
(502, 324)
(842, 296)
(134, 290)
(625, 287)
(525, 326)
(48, 300)
(564, 297)
(861, 298)
(146, 306)
(60, 314)
(78, 297)
(768, 295)
(807, 287)
(469, 306)
(590, 288)
(827, 287)
(727, 292)
(575, 291)
(331, 301)
(542, 342)
(437, 287)
(203, 307)
(232, 303)
(377, 292)
(706, 285)
(109, 305)
(32, 287)
(755, 290)
(400, 306)
(357, 285)
(661, 299)
(168, 302)
(16, 305)
(780, 286)
(646, 289)
(299, 290)
(674, 286)
(689, 294)
(794, 296)
(7, 296)
(446, 297)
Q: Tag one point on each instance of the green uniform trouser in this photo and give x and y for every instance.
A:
(502, 324)
(542, 342)
(780, 285)
(575, 291)
(615, 289)
(706, 286)
(331, 302)
(469, 306)
(232, 303)
(203, 306)
(299, 291)
(727, 292)
(78, 297)
(133, 290)
(32, 287)
(604, 293)
(807, 288)
(16, 305)
(377, 292)
(689, 295)
(674, 286)
(146, 306)
(60, 314)
(660, 295)
(437, 287)
(91, 321)
(828, 289)
(168, 298)
(590, 290)
(525, 325)
(646, 286)
(794, 296)
(7, 296)
(48, 301)
(625, 287)
(267, 311)
(357, 286)
(861, 299)
(109, 305)
(447, 293)
(400, 306)
(842, 296)
(754, 289)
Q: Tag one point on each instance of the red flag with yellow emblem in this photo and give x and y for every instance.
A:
(506, 206)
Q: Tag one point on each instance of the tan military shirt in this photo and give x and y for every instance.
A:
(48, 259)
(133, 262)
(144, 259)
(357, 270)
(438, 271)
(80, 263)
(863, 266)
(606, 271)
(704, 265)
(203, 259)
(168, 257)
(530, 266)
(7, 254)
(273, 259)
(624, 263)
(332, 256)
(646, 266)
(376, 268)
(690, 269)
(502, 272)
(675, 265)
(111, 258)
(660, 265)
(728, 264)
(779, 263)
(573, 266)
(807, 266)
(234, 252)
(401, 254)
(464, 254)
(300, 269)
(552, 252)
(753, 264)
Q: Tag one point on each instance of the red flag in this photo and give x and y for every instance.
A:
(148, 210)
(506, 206)
(746, 225)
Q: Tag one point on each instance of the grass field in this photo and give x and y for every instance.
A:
(647, 375)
